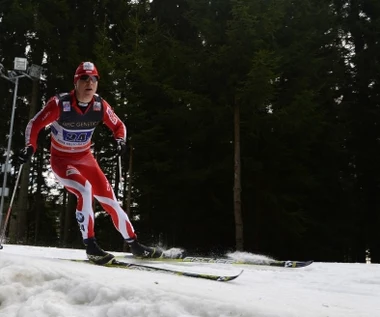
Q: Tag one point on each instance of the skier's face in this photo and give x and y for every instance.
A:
(86, 87)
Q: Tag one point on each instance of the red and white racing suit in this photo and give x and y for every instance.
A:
(71, 158)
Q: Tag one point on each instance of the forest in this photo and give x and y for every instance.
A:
(252, 124)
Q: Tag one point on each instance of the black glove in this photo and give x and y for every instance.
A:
(25, 154)
(121, 147)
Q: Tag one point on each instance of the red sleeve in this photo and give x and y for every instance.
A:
(112, 121)
(47, 115)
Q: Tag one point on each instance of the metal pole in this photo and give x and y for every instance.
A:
(120, 176)
(10, 208)
(120, 173)
(9, 148)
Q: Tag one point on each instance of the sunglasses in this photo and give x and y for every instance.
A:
(94, 79)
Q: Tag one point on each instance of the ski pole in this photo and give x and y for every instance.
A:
(10, 207)
(120, 176)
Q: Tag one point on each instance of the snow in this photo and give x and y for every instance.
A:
(36, 282)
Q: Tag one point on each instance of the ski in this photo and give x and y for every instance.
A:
(197, 259)
(133, 266)
(291, 264)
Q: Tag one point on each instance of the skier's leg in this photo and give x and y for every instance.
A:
(104, 193)
(75, 183)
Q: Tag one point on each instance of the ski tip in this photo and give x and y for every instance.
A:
(291, 264)
(306, 263)
(300, 264)
(224, 278)
(236, 276)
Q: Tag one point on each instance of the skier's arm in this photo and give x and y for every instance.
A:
(113, 122)
(43, 118)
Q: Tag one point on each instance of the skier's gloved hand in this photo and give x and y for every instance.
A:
(25, 154)
(121, 147)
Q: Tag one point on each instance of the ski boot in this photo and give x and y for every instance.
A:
(142, 251)
(96, 254)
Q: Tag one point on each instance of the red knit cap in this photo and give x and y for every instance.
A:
(85, 68)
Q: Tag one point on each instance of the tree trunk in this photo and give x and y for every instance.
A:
(69, 233)
(22, 207)
(39, 201)
(62, 219)
(12, 233)
(129, 191)
(22, 210)
(237, 182)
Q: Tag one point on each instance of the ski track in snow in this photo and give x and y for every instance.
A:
(35, 283)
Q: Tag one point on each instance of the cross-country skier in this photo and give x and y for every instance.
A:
(73, 117)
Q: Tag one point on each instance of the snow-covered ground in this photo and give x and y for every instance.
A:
(34, 283)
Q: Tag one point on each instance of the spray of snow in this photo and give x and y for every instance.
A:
(249, 257)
